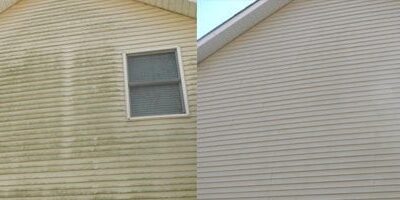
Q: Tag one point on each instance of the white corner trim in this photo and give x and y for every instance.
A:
(237, 25)
(177, 49)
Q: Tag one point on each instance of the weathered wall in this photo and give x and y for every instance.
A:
(4, 4)
(185, 7)
(305, 106)
(63, 127)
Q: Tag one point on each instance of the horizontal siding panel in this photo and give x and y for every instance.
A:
(304, 106)
(84, 164)
(64, 133)
(180, 6)
(6, 4)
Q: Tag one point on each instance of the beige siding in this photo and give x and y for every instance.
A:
(304, 106)
(185, 7)
(63, 127)
(5, 4)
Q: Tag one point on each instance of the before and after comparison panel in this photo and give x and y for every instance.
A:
(199, 99)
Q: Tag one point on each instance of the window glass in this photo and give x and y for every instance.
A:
(155, 86)
(161, 66)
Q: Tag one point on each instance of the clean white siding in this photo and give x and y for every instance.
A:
(304, 106)
(64, 133)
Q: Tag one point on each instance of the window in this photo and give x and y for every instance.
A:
(155, 84)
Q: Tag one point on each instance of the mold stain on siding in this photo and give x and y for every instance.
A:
(63, 127)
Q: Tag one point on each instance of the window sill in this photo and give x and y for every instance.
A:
(159, 117)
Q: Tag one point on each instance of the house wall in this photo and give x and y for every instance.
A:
(304, 106)
(4, 4)
(64, 132)
(185, 7)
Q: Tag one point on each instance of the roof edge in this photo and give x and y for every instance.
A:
(170, 5)
(5, 4)
(235, 26)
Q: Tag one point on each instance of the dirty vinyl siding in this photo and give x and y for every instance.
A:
(180, 6)
(305, 105)
(4, 4)
(64, 132)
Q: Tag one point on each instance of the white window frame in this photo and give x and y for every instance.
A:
(149, 51)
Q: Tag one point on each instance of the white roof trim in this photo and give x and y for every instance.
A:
(240, 23)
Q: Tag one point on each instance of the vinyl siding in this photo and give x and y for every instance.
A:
(185, 7)
(64, 132)
(4, 4)
(305, 106)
